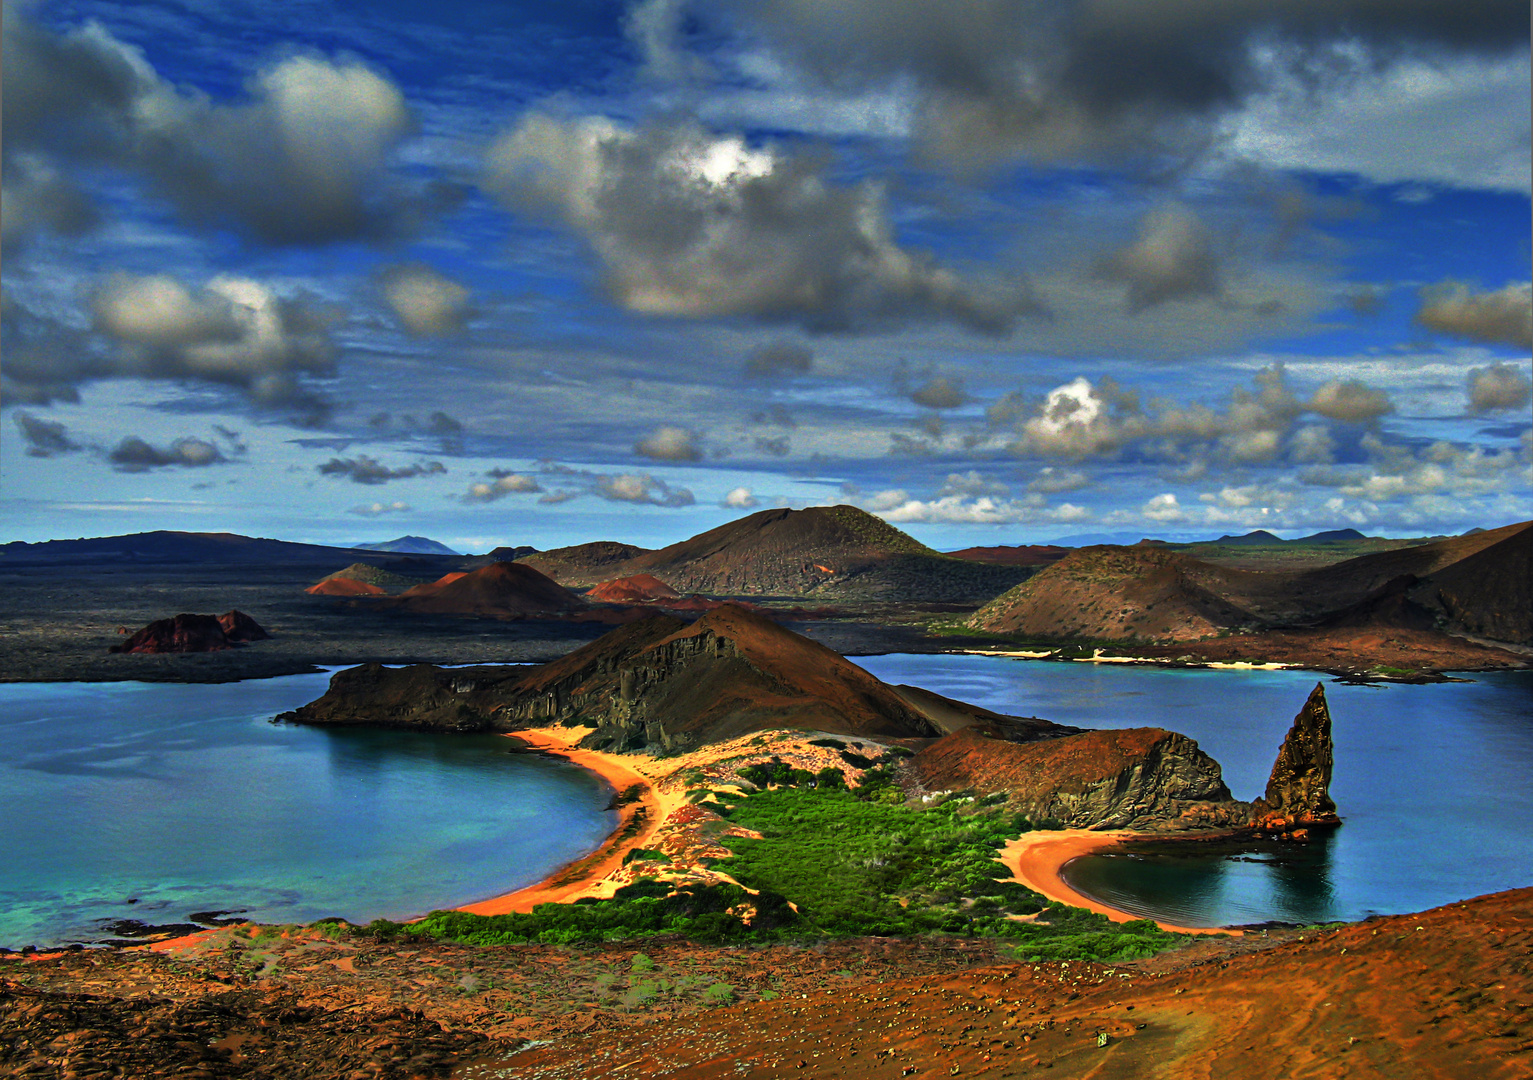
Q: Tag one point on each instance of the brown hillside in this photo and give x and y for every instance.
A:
(1096, 779)
(1488, 593)
(184, 633)
(582, 564)
(342, 586)
(505, 589)
(1117, 593)
(664, 684)
(382, 581)
(1021, 555)
(823, 551)
(638, 589)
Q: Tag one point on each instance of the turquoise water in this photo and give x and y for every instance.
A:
(154, 801)
(1434, 783)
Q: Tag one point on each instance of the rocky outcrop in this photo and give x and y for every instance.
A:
(1141, 778)
(1298, 797)
(418, 696)
(658, 685)
(185, 633)
(238, 626)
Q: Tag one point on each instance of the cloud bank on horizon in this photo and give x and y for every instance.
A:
(999, 271)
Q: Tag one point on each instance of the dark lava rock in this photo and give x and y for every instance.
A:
(1298, 795)
(238, 626)
(182, 634)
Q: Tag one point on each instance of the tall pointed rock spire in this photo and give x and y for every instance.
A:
(1298, 797)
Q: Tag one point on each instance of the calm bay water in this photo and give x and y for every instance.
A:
(185, 799)
(153, 801)
(1432, 782)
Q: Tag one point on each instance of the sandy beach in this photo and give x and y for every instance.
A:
(638, 819)
(1036, 859)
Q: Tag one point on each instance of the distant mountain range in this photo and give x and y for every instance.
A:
(414, 545)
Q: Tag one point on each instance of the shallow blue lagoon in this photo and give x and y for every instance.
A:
(153, 801)
(1432, 782)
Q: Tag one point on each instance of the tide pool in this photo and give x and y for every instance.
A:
(154, 801)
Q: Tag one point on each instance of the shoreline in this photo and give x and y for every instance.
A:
(1037, 859)
(638, 820)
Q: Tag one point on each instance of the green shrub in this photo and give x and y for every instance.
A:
(718, 994)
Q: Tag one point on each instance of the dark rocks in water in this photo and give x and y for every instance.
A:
(188, 633)
(183, 634)
(1298, 797)
(241, 627)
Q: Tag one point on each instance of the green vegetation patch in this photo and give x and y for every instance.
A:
(852, 863)
(857, 866)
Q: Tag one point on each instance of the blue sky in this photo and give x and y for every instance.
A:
(1000, 271)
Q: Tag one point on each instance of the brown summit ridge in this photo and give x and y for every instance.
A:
(666, 685)
(505, 589)
(637, 589)
(660, 685)
(821, 551)
(1117, 593)
(582, 564)
(1478, 586)
(1298, 796)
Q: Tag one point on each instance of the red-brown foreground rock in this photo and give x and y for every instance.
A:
(1444, 995)
(1298, 797)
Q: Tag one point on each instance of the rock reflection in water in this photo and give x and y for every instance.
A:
(1214, 883)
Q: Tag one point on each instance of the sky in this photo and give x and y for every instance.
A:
(999, 271)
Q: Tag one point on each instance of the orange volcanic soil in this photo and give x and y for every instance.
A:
(501, 588)
(1446, 994)
(638, 589)
(640, 813)
(344, 587)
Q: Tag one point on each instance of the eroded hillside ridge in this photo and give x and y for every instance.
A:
(1140, 778)
(1479, 585)
(657, 684)
(1298, 796)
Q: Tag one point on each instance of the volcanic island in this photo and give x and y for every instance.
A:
(813, 872)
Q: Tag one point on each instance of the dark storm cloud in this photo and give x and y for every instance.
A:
(1058, 77)
(687, 223)
(366, 470)
(45, 438)
(38, 198)
(133, 454)
(302, 159)
(940, 392)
